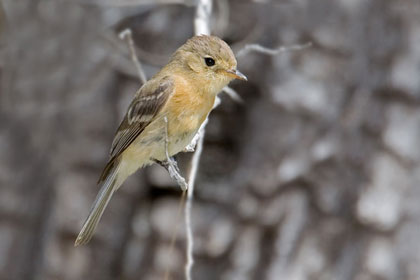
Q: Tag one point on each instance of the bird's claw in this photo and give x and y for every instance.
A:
(172, 167)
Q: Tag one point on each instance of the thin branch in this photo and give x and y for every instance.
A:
(127, 35)
(191, 180)
(268, 51)
(201, 26)
(191, 146)
(233, 94)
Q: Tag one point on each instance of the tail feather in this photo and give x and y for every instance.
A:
(110, 184)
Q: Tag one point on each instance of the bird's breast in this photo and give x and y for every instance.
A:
(186, 110)
(188, 107)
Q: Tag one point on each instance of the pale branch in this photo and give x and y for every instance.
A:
(233, 94)
(188, 206)
(202, 17)
(268, 51)
(127, 35)
(217, 102)
(201, 27)
(191, 146)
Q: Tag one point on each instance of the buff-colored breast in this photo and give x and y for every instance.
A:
(185, 111)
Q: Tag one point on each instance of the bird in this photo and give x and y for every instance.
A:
(164, 116)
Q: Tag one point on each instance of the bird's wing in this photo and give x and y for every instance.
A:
(147, 103)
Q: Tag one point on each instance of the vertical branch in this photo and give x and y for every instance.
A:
(201, 26)
(191, 179)
(202, 17)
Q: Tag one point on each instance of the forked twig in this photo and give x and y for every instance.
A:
(268, 51)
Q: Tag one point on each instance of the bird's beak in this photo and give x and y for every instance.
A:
(237, 75)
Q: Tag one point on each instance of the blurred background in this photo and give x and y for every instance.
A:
(315, 176)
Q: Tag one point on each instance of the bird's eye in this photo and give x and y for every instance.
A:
(209, 61)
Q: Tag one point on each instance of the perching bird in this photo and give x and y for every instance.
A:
(164, 116)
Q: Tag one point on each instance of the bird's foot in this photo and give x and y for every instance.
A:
(171, 166)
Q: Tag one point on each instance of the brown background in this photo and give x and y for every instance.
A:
(315, 176)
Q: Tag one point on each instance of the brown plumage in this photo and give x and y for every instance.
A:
(183, 92)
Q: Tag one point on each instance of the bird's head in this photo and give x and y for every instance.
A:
(210, 59)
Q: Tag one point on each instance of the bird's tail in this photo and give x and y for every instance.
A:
(110, 183)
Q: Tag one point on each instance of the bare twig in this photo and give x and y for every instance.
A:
(201, 26)
(126, 34)
(268, 51)
(233, 94)
(191, 179)
(191, 146)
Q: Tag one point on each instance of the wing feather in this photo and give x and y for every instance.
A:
(141, 112)
(147, 103)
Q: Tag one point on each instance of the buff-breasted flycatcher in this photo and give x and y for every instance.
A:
(164, 116)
